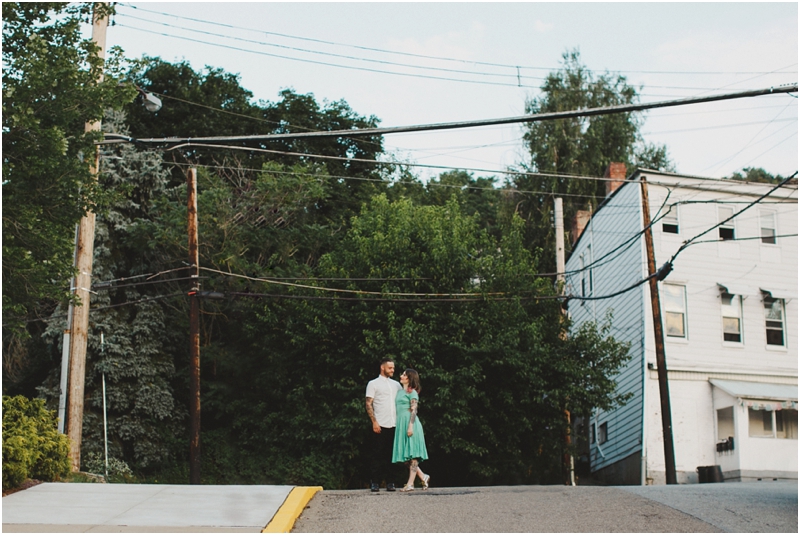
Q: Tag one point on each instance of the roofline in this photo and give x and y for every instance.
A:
(642, 170)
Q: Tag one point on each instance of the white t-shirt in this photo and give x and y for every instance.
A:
(383, 391)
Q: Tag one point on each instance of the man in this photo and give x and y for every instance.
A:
(381, 411)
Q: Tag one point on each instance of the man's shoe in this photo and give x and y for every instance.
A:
(375, 488)
(390, 487)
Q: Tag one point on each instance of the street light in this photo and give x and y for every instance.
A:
(151, 102)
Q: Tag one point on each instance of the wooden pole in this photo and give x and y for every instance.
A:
(194, 333)
(658, 330)
(83, 281)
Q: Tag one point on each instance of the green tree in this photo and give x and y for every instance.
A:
(212, 103)
(145, 420)
(581, 146)
(49, 93)
(496, 373)
(756, 174)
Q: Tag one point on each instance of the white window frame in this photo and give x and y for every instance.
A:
(774, 423)
(666, 308)
(729, 226)
(590, 271)
(602, 433)
(767, 320)
(733, 311)
(671, 218)
(772, 214)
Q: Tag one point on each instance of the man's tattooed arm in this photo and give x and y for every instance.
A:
(371, 413)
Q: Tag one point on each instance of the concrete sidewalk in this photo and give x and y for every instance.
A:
(112, 508)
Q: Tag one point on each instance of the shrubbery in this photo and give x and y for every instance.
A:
(32, 445)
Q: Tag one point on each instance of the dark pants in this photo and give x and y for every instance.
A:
(381, 445)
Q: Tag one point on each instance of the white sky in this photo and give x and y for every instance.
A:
(697, 49)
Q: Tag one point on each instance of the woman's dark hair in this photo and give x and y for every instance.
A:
(413, 380)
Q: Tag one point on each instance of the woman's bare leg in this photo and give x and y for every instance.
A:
(413, 466)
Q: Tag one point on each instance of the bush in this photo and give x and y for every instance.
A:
(32, 445)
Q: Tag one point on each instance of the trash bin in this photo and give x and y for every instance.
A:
(710, 474)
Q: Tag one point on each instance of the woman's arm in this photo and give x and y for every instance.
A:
(413, 410)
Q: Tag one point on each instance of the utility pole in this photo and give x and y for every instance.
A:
(558, 216)
(84, 252)
(194, 333)
(560, 263)
(658, 330)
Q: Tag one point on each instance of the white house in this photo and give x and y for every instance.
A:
(729, 310)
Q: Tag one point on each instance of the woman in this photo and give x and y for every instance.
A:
(409, 440)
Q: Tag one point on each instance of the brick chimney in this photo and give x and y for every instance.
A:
(615, 171)
(579, 223)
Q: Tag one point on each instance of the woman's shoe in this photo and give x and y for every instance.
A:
(425, 481)
(407, 488)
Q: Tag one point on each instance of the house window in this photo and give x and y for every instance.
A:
(786, 423)
(669, 223)
(731, 317)
(590, 270)
(726, 230)
(773, 424)
(583, 277)
(760, 423)
(724, 423)
(768, 233)
(602, 433)
(773, 314)
(674, 305)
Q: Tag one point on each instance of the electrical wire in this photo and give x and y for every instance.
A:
(410, 54)
(688, 242)
(569, 114)
(342, 56)
(326, 64)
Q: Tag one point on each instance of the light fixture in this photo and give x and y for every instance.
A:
(151, 102)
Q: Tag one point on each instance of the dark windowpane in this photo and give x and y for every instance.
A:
(732, 337)
(767, 235)
(726, 233)
(774, 337)
(670, 229)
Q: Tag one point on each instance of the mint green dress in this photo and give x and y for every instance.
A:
(408, 447)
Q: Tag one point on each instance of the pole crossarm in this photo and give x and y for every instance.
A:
(588, 112)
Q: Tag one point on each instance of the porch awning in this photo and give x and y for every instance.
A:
(736, 289)
(777, 293)
(760, 396)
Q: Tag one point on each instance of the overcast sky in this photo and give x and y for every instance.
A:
(492, 57)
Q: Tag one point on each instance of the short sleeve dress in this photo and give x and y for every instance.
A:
(408, 447)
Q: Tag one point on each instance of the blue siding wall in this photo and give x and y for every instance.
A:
(617, 222)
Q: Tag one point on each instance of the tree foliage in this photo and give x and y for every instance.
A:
(756, 174)
(289, 241)
(578, 147)
(32, 446)
(49, 93)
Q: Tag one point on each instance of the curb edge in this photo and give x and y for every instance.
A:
(290, 511)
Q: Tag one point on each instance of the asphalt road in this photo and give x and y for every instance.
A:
(707, 508)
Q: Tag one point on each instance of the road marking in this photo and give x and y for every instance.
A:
(290, 511)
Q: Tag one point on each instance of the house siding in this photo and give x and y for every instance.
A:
(703, 354)
(621, 223)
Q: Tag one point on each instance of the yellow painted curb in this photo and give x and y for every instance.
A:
(292, 507)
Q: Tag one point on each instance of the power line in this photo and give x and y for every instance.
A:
(688, 242)
(589, 112)
(315, 62)
(410, 54)
(342, 56)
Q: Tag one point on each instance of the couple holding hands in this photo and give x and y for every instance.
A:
(396, 430)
